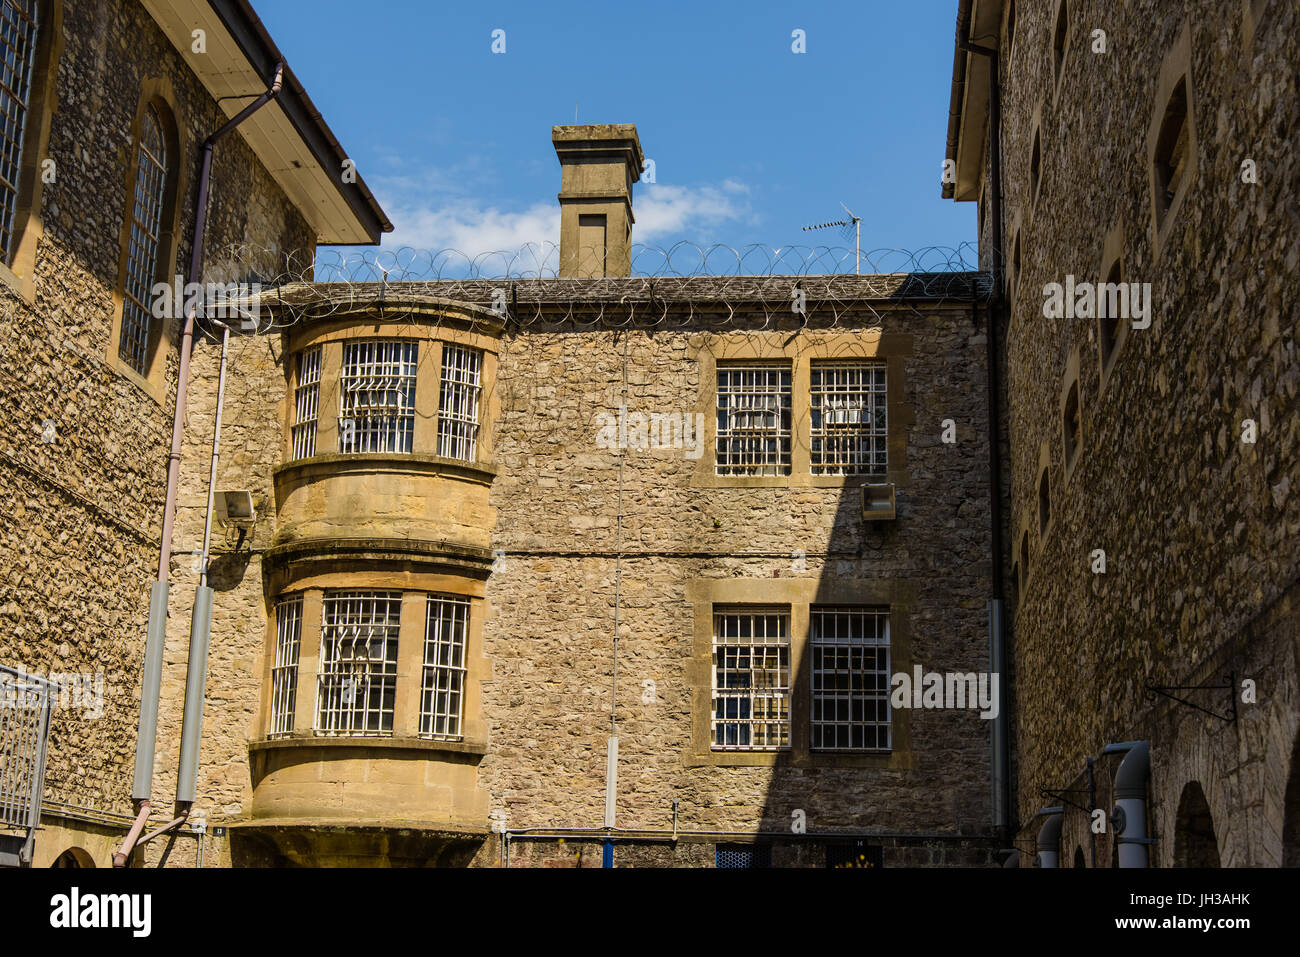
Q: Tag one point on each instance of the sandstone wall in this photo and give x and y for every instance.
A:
(1199, 527)
(79, 543)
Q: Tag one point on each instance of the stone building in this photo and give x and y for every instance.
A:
(499, 523)
(1152, 423)
(107, 105)
(529, 572)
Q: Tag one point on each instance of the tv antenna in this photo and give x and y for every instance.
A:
(856, 223)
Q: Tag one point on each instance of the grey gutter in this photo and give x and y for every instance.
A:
(255, 42)
(958, 89)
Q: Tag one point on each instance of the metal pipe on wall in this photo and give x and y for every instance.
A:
(151, 683)
(1129, 818)
(999, 742)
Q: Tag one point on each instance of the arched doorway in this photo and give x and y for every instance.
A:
(1078, 858)
(73, 857)
(1195, 844)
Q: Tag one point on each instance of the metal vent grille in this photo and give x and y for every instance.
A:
(744, 855)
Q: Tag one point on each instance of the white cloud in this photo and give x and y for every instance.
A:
(430, 219)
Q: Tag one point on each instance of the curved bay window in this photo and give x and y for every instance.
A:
(358, 662)
(377, 396)
(143, 241)
(18, 32)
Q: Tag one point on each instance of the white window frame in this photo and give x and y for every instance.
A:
(850, 679)
(442, 688)
(377, 395)
(284, 672)
(750, 707)
(306, 397)
(357, 679)
(754, 427)
(458, 402)
(848, 405)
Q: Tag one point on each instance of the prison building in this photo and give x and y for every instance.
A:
(1152, 438)
(500, 523)
(106, 109)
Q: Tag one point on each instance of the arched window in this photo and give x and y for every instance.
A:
(146, 226)
(18, 27)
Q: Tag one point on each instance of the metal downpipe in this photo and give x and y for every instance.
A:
(1049, 836)
(1129, 818)
(151, 683)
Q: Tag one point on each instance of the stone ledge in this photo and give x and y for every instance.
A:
(366, 742)
(337, 463)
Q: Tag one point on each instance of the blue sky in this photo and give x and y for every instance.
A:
(750, 140)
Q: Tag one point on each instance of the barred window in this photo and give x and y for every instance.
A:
(442, 693)
(377, 396)
(850, 678)
(18, 27)
(751, 679)
(358, 662)
(306, 399)
(142, 245)
(850, 432)
(284, 675)
(458, 402)
(753, 420)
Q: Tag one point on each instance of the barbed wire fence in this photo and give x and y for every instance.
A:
(684, 284)
(740, 294)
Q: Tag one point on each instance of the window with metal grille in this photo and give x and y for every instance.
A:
(743, 855)
(753, 420)
(358, 662)
(850, 678)
(850, 429)
(306, 399)
(18, 28)
(751, 679)
(142, 243)
(458, 402)
(377, 396)
(284, 674)
(442, 693)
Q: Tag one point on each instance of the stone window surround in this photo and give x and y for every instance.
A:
(1044, 469)
(1058, 74)
(430, 338)
(801, 350)
(799, 595)
(1112, 253)
(1035, 186)
(1177, 66)
(415, 585)
(19, 275)
(1253, 13)
(1071, 379)
(156, 93)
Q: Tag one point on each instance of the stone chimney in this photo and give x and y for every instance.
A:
(598, 165)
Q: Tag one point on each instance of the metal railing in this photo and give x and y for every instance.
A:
(25, 702)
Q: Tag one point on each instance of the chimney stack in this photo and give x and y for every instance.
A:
(598, 165)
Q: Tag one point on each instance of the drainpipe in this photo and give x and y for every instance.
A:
(1049, 836)
(187, 773)
(1129, 819)
(999, 741)
(151, 685)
